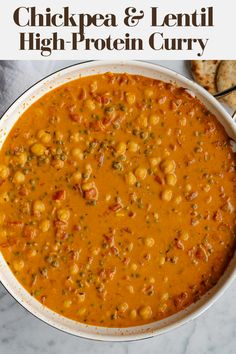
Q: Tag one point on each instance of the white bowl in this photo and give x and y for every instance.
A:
(6, 276)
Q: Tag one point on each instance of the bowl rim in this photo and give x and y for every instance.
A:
(222, 284)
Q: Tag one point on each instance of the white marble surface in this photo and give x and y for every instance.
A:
(20, 332)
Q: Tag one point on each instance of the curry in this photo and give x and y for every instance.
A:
(117, 200)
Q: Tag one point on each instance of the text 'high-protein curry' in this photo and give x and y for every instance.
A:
(117, 200)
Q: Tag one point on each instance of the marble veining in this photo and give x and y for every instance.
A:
(20, 332)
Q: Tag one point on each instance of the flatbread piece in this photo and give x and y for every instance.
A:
(226, 78)
(204, 72)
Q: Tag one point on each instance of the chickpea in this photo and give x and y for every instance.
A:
(75, 137)
(19, 178)
(44, 136)
(44, 225)
(184, 235)
(123, 307)
(130, 178)
(130, 246)
(96, 251)
(207, 188)
(141, 173)
(120, 214)
(133, 146)
(88, 168)
(152, 280)
(166, 153)
(154, 119)
(187, 188)
(81, 297)
(178, 199)
(18, 265)
(145, 312)
(209, 199)
(77, 176)
(130, 289)
(58, 164)
(4, 172)
(59, 135)
(143, 121)
(121, 148)
(89, 104)
(162, 307)
(56, 246)
(149, 241)
(159, 141)
(107, 197)
(63, 214)
(67, 303)
(156, 216)
(148, 93)
(21, 159)
(77, 154)
(162, 260)
(81, 311)
(154, 161)
(87, 186)
(88, 172)
(31, 253)
(134, 267)
(31, 141)
(74, 269)
(166, 195)
(38, 207)
(183, 121)
(165, 297)
(144, 135)
(171, 179)
(168, 166)
(130, 97)
(133, 314)
(93, 86)
(38, 149)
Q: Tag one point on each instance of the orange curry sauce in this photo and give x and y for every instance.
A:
(117, 200)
